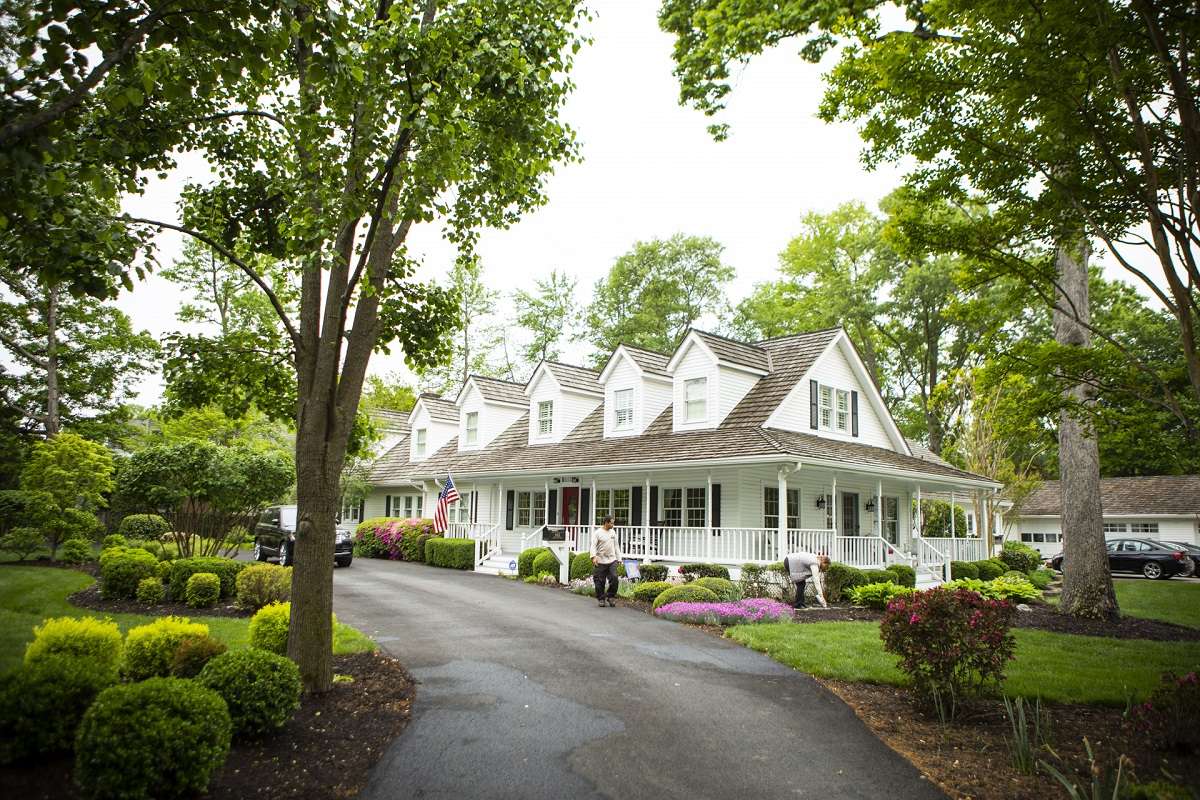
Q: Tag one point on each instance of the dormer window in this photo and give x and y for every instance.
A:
(842, 419)
(545, 417)
(623, 409)
(473, 427)
(834, 409)
(695, 398)
(421, 435)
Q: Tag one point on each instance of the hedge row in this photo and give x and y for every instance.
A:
(451, 553)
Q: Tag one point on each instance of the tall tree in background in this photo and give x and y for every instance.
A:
(387, 393)
(656, 291)
(549, 314)
(473, 348)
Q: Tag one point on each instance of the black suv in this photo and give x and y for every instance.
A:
(275, 537)
(1153, 559)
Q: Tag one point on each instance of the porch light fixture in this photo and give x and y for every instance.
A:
(870, 506)
(821, 501)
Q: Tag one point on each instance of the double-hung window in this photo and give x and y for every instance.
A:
(421, 436)
(460, 511)
(623, 409)
(351, 511)
(695, 506)
(771, 507)
(531, 509)
(695, 400)
(545, 417)
(411, 505)
(473, 427)
(842, 417)
(615, 502)
(825, 406)
(684, 506)
(890, 523)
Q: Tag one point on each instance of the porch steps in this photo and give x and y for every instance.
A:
(499, 564)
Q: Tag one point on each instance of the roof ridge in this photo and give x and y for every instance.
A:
(572, 366)
(494, 380)
(797, 335)
(727, 339)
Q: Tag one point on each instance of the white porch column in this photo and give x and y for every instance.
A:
(546, 521)
(833, 499)
(501, 508)
(879, 508)
(708, 533)
(919, 521)
(781, 543)
(646, 519)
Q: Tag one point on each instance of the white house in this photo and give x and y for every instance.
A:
(723, 451)
(1160, 507)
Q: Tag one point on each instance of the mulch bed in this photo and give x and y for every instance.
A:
(969, 758)
(325, 751)
(90, 598)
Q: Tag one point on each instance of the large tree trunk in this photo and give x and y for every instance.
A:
(1087, 583)
(52, 415)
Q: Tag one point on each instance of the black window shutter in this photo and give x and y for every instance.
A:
(387, 505)
(653, 505)
(854, 413)
(812, 404)
(362, 509)
(635, 506)
(474, 506)
(510, 508)
(585, 506)
(552, 517)
(716, 505)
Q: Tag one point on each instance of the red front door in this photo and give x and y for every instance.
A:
(570, 505)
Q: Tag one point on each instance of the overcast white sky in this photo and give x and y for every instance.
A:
(649, 170)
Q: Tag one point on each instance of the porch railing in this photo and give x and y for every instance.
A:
(469, 530)
(811, 540)
(487, 542)
(959, 549)
(862, 551)
(931, 558)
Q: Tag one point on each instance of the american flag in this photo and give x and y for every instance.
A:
(447, 496)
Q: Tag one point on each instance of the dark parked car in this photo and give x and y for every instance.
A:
(275, 537)
(1153, 559)
(1192, 550)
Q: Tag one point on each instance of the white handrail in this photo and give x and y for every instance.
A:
(487, 544)
(957, 548)
(527, 538)
(928, 556)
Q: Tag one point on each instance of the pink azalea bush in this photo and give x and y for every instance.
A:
(740, 612)
(390, 537)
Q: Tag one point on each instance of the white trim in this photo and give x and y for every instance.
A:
(458, 398)
(1123, 515)
(694, 338)
(543, 369)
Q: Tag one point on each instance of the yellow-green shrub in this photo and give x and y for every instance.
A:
(95, 642)
(269, 627)
(150, 649)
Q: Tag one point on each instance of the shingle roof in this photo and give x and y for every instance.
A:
(499, 391)
(810, 445)
(390, 421)
(648, 360)
(577, 378)
(392, 466)
(1149, 494)
(747, 355)
(791, 357)
(921, 451)
(440, 409)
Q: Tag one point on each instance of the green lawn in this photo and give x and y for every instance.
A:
(30, 594)
(1169, 601)
(1054, 666)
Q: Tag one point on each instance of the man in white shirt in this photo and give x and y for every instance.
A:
(606, 554)
(802, 567)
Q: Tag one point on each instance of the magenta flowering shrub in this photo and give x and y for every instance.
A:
(390, 537)
(950, 641)
(1169, 717)
(741, 612)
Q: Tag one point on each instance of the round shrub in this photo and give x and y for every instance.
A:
(269, 627)
(990, 568)
(692, 571)
(164, 570)
(879, 576)
(653, 572)
(95, 643)
(162, 738)
(122, 569)
(839, 579)
(646, 591)
(581, 566)
(262, 689)
(142, 527)
(113, 540)
(226, 569)
(963, 569)
(686, 593)
(1020, 556)
(41, 705)
(526, 559)
(260, 584)
(203, 590)
(905, 575)
(726, 590)
(150, 591)
(546, 562)
(75, 551)
(193, 653)
(150, 649)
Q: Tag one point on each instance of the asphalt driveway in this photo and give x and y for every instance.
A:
(527, 692)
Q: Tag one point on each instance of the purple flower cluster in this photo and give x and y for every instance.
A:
(741, 612)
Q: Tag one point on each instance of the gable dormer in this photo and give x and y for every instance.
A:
(432, 423)
(709, 376)
(637, 387)
(560, 397)
(836, 398)
(486, 407)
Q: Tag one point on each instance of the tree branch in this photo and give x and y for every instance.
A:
(21, 350)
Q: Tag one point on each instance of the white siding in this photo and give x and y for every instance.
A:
(1177, 529)
(696, 363)
(832, 369)
(570, 408)
(657, 397)
(732, 386)
(439, 433)
(651, 394)
(494, 418)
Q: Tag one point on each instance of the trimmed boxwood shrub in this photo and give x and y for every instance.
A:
(525, 560)
(726, 590)
(1020, 556)
(261, 689)
(203, 590)
(646, 591)
(122, 569)
(162, 738)
(41, 705)
(963, 569)
(150, 649)
(95, 643)
(193, 653)
(990, 568)
(140, 527)
(164, 571)
(421, 542)
(75, 551)
(226, 569)
(653, 572)
(546, 562)
(692, 571)
(269, 627)
(260, 584)
(905, 575)
(150, 591)
(685, 593)
(581, 566)
(879, 576)
(451, 553)
(113, 540)
(839, 579)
